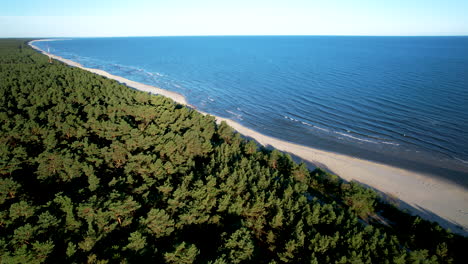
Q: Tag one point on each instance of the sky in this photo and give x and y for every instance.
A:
(107, 18)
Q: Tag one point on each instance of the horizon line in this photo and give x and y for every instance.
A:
(234, 35)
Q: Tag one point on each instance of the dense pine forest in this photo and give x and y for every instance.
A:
(92, 171)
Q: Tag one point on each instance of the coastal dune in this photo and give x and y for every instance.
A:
(422, 194)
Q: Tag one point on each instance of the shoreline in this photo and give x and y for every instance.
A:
(431, 198)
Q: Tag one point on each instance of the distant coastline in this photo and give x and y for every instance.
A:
(432, 198)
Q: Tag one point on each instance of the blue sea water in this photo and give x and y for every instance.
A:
(397, 100)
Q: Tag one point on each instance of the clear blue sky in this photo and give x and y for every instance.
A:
(84, 18)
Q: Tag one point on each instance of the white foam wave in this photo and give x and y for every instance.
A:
(461, 160)
(321, 128)
(353, 137)
(343, 134)
(390, 143)
(236, 115)
(292, 119)
(307, 124)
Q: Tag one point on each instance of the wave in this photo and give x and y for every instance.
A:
(356, 138)
(406, 128)
(349, 134)
(365, 138)
(307, 124)
(461, 160)
(235, 115)
(390, 143)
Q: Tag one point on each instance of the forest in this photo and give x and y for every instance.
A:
(92, 171)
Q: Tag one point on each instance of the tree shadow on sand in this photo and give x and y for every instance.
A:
(391, 199)
(420, 211)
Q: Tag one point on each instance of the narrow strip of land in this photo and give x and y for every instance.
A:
(421, 194)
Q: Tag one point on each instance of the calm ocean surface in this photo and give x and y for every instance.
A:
(398, 100)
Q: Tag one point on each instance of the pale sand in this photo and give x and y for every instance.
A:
(431, 198)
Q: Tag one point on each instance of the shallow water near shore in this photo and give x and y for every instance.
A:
(397, 100)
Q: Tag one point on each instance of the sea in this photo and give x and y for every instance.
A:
(401, 101)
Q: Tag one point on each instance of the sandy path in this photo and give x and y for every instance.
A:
(429, 197)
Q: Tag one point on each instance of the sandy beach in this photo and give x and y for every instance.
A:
(422, 194)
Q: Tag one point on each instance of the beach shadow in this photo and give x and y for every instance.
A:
(392, 199)
(389, 198)
(422, 212)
